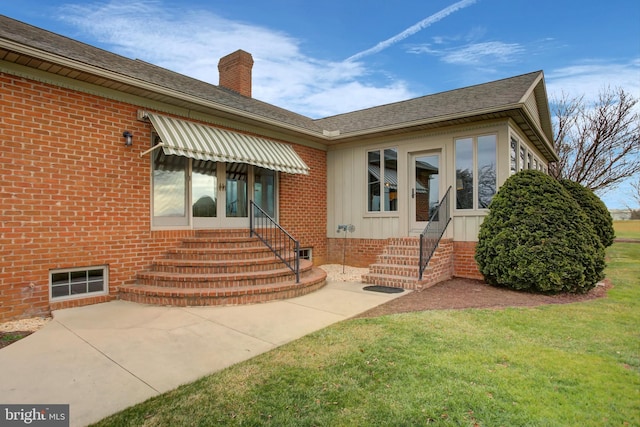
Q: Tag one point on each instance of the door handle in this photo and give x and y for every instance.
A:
(221, 187)
(413, 193)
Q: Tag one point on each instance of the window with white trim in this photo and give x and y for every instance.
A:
(382, 180)
(78, 282)
(476, 171)
(305, 253)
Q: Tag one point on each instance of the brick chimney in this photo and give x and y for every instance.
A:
(235, 72)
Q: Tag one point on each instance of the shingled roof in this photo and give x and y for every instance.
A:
(469, 100)
(34, 47)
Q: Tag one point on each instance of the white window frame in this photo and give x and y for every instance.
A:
(475, 158)
(105, 282)
(382, 210)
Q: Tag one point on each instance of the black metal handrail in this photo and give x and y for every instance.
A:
(434, 231)
(275, 238)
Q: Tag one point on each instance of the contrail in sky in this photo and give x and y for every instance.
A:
(413, 29)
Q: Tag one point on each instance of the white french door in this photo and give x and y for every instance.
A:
(206, 194)
(425, 188)
(219, 194)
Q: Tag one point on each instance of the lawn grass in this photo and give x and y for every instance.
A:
(557, 365)
(629, 229)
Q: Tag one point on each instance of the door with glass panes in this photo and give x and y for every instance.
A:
(425, 188)
(207, 194)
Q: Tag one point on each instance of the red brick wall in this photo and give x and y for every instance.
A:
(441, 264)
(464, 262)
(72, 195)
(359, 252)
(303, 203)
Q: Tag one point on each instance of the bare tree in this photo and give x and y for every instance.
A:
(635, 191)
(599, 143)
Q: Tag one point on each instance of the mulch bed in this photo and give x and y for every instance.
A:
(457, 294)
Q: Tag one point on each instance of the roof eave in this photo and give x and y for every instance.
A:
(141, 84)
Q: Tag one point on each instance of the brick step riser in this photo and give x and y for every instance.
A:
(403, 251)
(405, 241)
(218, 269)
(398, 260)
(235, 297)
(213, 282)
(410, 272)
(222, 244)
(222, 233)
(214, 255)
(394, 282)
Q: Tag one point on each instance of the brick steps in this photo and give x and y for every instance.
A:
(219, 280)
(180, 297)
(397, 266)
(219, 267)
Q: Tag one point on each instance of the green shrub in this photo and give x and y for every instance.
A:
(537, 238)
(595, 209)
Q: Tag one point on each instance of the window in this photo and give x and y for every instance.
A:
(78, 282)
(514, 151)
(305, 253)
(476, 171)
(382, 182)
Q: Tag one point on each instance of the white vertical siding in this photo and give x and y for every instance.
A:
(347, 182)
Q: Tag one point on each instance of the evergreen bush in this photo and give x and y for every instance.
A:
(537, 238)
(595, 209)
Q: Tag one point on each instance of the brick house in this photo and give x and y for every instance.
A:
(120, 179)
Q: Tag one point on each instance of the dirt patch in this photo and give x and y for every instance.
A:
(14, 330)
(457, 294)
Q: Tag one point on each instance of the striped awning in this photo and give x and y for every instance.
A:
(201, 142)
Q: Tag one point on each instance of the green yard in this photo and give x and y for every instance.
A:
(627, 229)
(557, 365)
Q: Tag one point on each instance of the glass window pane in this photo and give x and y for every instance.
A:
(78, 288)
(169, 185)
(390, 180)
(486, 170)
(96, 286)
(427, 191)
(78, 276)
(514, 151)
(522, 153)
(59, 279)
(464, 173)
(60, 291)
(373, 182)
(264, 193)
(95, 275)
(204, 189)
(236, 189)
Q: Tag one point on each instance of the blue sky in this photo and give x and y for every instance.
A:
(320, 58)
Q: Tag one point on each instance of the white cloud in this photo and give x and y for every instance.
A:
(191, 43)
(473, 53)
(479, 53)
(589, 77)
(426, 22)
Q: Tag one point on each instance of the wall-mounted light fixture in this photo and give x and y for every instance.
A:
(128, 138)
